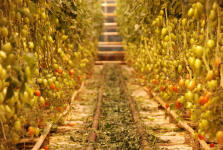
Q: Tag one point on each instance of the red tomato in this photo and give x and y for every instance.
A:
(167, 105)
(37, 93)
(46, 104)
(212, 145)
(44, 66)
(178, 105)
(200, 137)
(56, 70)
(203, 100)
(40, 123)
(163, 88)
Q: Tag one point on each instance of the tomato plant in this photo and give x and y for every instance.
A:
(178, 45)
(45, 46)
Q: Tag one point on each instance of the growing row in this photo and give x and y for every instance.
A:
(177, 47)
(47, 49)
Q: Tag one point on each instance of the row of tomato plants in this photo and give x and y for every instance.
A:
(177, 48)
(47, 48)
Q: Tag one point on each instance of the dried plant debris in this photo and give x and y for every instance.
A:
(117, 129)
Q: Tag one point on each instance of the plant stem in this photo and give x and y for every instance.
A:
(3, 130)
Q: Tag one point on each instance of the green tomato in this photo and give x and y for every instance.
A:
(31, 45)
(4, 31)
(196, 98)
(181, 99)
(7, 47)
(212, 15)
(9, 112)
(180, 68)
(17, 125)
(42, 100)
(37, 131)
(45, 82)
(1, 98)
(212, 84)
(189, 105)
(210, 44)
(50, 81)
(3, 55)
(198, 88)
(55, 66)
(39, 80)
(203, 124)
(190, 12)
(197, 64)
(187, 81)
(25, 97)
(189, 96)
(191, 61)
(164, 31)
(198, 51)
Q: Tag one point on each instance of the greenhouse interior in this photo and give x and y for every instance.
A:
(111, 74)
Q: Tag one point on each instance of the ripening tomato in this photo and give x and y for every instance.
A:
(165, 81)
(216, 62)
(149, 90)
(188, 76)
(79, 78)
(155, 82)
(71, 72)
(210, 75)
(203, 100)
(219, 137)
(181, 83)
(189, 113)
(191, 85)
(171, 87)
(37, 106)
(40, 123)
(52, 86)
(45, 147)
(175, 89)
(59, 109)
(60, 71)
(31, 131)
